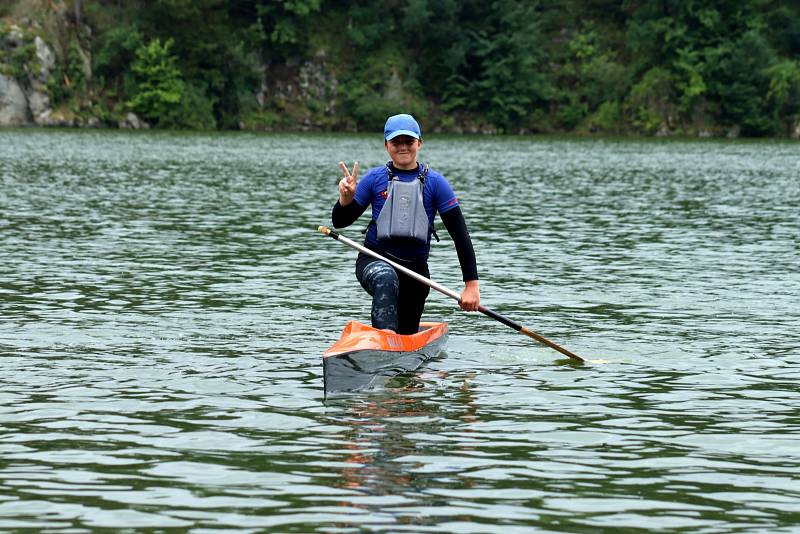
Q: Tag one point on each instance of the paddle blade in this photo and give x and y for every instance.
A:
(545, 341)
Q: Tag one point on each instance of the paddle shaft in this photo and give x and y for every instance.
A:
(452, 294)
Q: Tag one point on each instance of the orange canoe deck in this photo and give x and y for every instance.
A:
(357, 336)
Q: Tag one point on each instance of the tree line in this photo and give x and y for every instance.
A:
(647, 67)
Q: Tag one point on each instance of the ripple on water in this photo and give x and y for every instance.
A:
(166, 298)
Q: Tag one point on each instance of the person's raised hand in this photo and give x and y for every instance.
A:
(347, 185)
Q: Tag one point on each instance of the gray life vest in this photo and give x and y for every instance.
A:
(403, 215)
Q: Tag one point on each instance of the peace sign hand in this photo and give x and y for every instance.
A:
(347, 185)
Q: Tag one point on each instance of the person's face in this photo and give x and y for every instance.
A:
(403, 151)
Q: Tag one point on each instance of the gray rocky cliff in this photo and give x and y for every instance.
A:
(24, 98)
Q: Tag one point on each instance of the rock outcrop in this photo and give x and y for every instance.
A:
(13, 103)
(24, 98)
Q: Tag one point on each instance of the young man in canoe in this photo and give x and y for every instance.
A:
(405, 197)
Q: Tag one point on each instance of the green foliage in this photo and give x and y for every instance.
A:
(742, 85)
(371, 109)
(689, 82)
(76, 71)
(368, 24)
(506, 65)
(572, 114)
(651, 100)
(58, 90)
(784, 87)
(159, 83)
(284, 24)
(20, 60)
(116, 52)
(195, 110)
(713, 57)
(495, 67)
(370, 101)
(784, 92)
(592, 70)
(215, 41)
(607, 118)
(68, 79)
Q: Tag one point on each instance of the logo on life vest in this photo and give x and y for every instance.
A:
(385, 193)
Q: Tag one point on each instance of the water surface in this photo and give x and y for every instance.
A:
(165, 300)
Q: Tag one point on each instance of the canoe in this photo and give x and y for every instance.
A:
(365, 357)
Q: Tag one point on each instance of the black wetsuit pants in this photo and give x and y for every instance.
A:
(397, 299)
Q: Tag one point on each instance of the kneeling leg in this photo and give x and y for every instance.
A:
(381, 281)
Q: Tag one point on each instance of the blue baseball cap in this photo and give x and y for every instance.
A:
(402, 124)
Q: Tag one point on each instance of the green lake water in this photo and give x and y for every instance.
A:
(165, 300)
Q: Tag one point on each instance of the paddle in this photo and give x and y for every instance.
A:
(452, 294)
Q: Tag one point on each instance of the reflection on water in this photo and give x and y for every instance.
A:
(166, 300)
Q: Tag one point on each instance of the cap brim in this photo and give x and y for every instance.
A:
(396, 133)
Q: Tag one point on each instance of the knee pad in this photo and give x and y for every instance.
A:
(380, 276)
